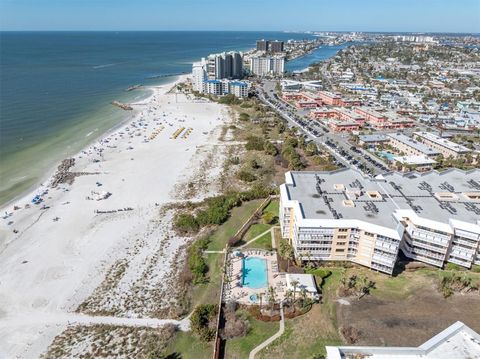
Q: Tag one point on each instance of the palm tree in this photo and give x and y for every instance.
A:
(303, 294)
(260, 295)
(294, 284)
(288, 296)
(272, 298)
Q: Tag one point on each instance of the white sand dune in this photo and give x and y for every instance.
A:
(61, 254)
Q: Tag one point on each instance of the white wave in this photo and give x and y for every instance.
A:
(106, 65)
(91, 132)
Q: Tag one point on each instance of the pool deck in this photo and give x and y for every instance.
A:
(241, 294)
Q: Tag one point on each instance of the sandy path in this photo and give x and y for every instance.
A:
(62, 255)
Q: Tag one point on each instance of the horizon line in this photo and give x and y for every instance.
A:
(284, 31)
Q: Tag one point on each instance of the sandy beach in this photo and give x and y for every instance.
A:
(101, 250)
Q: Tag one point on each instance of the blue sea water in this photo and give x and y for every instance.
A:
(56, 87)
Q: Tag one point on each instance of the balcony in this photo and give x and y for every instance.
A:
(429, 236)
(415, 243)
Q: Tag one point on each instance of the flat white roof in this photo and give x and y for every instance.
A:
(458, 341)
(443, 142)
(414, 160)
(304, 281)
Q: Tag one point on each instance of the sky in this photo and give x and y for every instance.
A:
(296, 15)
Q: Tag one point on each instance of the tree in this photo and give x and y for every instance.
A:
(287, 252)
(294, 284)
(260, 295)
(272, 298)
(303, 294)
(311, 149)
(270, 148)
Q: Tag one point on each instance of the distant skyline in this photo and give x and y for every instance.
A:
(341, 15)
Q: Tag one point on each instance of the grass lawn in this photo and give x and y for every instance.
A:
(210, 293)
(264, 242)
(238, 216)
(190, 347)
(307, 335)
(255, 230)
(273, 207)
(258, 333)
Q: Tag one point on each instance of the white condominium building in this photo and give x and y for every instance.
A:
(267, 65)
(445, 147)
(340, 215)
(199, 75)
(458, 341)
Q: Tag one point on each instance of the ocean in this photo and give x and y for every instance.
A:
(56, 87)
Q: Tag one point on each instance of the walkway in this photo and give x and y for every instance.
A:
(47, 319)
(272, 338)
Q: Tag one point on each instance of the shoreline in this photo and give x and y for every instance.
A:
(48, 174)
(66, 255)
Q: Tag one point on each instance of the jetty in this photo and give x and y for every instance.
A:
(134, 87)
(123, 106)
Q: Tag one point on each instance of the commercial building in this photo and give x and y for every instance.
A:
(409, 146)
(267, 65)
(432, 217)
(445, 147)
(458, 341)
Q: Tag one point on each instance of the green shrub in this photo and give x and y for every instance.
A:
(254, 143)
(311, 149)
(244, 116)
(454, 267)
(270, 148)
(229, 99)
(319, 272)
(246, 176)
(269, 218)
(202, 321)
(186, 223)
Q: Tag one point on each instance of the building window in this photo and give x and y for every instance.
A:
(339, 250)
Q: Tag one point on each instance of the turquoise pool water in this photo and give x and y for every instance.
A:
(389, 156)
(254, 273)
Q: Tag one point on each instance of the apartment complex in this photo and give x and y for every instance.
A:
(340, 215)
(270, 46)
(410, 146)
(445, 147)
(225, 87)
(267, 65)
(226, 65)
(381, 121)
(339, 119)
(457, 341)
(214, 75)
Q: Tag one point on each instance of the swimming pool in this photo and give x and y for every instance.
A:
(389, 156)
(254, 273)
